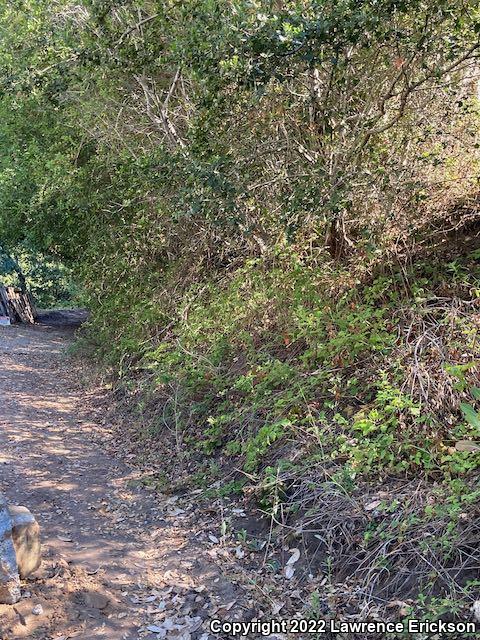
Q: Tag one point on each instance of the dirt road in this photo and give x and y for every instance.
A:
(117, 563)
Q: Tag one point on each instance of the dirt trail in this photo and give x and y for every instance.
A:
(115, 560)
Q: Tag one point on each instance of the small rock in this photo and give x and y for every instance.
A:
(9, 578)
(37, 610)
(26, 540)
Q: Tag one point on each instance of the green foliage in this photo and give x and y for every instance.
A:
(471, 415)
(390, 434)
(458, 371)
(232, 488)
(257, 447)
(7, 263)
(49, 281)
(346, 333)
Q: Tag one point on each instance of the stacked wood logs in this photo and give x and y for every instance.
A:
(16, 306)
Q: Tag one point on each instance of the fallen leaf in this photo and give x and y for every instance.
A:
(467, 445)
(150, 598)
(289, 571)
(277, 607)
(294, 557)
(396, 603)
(168, 624)
(373, 505)
(155, 628)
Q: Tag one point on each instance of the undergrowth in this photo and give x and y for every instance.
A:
(356, 417)
(384, 376)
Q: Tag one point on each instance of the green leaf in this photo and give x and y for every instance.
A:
(475, 392)
(471, 416)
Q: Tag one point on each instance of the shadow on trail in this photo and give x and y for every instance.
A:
(62, 318)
